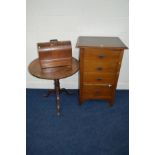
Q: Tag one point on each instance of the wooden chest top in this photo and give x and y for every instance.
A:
(101, 42)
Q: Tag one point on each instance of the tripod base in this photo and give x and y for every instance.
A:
(57, 92)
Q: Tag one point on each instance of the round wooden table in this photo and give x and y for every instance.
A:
(54, 73)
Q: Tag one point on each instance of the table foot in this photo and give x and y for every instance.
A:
(66, 91)
(50, 91)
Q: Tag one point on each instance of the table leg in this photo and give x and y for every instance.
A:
(66, 91)
(50, 91)
(57, 90)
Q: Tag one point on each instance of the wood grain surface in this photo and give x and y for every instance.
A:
(53, 72)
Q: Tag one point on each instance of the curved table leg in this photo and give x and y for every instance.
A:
(57, 90)
(66, 91)
(50, 91)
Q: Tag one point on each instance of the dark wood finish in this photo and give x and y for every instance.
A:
(55, 53)
(57, 88)
(55, 74)
(100, 42)
(100, 62)
(52, 91)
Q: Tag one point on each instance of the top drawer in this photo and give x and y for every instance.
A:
(96, 54)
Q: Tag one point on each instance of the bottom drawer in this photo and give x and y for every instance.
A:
(97, 91)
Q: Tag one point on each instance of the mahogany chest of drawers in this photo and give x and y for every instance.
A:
(100, 62)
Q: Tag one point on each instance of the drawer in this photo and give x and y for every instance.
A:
(98, 78)
(96, 54)
(97, 91)
(100, 66)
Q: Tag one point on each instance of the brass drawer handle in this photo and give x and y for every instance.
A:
(99, 68)
(101, 56)
(99, 79)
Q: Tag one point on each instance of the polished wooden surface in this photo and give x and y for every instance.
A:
(100, 42)
(55, 53)
(100, 62)
(55, 72)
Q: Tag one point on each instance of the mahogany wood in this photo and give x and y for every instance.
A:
(55, 74)
(100, 62)
(100, 42)
(57, 88)
(55, 53)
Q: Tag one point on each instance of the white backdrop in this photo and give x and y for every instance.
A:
(68, 19)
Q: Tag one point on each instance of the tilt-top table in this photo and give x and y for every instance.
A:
(55, 73)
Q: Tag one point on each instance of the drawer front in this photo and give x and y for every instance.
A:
(93, 54)
(100, 66)
(97, 91)
(98, 78)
